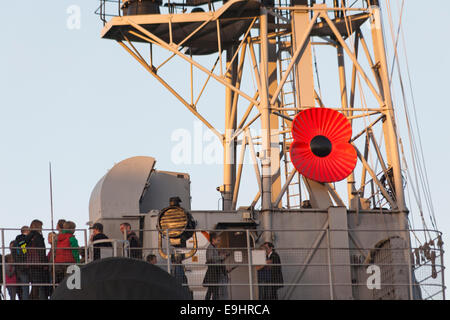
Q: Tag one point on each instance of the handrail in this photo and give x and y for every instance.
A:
(114, 242)
(102, 10)
(427, 276)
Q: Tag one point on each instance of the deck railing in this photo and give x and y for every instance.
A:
(388, 269)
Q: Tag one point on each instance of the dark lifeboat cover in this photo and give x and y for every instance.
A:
(122, 279)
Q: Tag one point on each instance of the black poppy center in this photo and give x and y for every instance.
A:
(320, 146)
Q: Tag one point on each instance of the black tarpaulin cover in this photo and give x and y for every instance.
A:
(121, 279)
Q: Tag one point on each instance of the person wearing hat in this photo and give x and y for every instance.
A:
(175, 201)
(97, 234)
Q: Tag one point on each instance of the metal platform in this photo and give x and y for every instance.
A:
(210, 32)
(234, 18)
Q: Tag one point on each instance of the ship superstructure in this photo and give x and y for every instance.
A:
(334, 221)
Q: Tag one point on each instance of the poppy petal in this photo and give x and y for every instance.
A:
(334, 126)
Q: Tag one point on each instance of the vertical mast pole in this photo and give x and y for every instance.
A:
(266, 196)
(389, 125)
(230, 128)
(51, 194)
(344, 104)
(304, 85)
(52, 225)
(274, 119)
(390, 132)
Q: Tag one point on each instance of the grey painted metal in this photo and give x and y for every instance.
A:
(162, 185)
(250, 264)
(120, 189)
(330, 275)
(371, 231)
(132, 188)
(340, 255)
(298, 276)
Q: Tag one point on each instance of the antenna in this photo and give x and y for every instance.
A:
(51, 194)
(51, 219)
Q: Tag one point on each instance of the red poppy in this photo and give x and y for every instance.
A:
(321, 150)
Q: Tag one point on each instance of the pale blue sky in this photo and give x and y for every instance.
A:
(81, 102)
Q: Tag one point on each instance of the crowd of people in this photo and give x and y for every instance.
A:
(31, 263)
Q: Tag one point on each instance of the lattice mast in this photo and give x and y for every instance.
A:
(286, 85)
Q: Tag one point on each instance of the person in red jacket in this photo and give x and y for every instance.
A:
(67, 250)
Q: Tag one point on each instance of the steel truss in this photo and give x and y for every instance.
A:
(288, 28)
